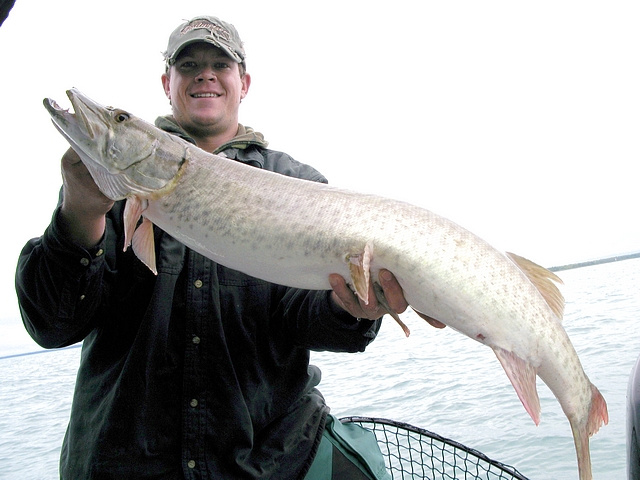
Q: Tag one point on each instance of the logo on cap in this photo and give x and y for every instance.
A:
(215, 29)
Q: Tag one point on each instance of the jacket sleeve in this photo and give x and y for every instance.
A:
(60, 286)
(315, 323)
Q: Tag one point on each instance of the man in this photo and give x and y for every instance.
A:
(202, 371)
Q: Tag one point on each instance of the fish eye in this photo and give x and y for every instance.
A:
(121, 116)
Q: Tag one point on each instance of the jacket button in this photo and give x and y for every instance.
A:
(193, 403)
(84, 262)
(198, 283)
(191, 464)
(195, 339)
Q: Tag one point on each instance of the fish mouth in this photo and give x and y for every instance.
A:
(84, 122)
(83, 130)
(62, 119)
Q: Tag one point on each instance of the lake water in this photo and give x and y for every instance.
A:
(436, 379)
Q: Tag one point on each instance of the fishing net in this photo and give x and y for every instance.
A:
(413, 453)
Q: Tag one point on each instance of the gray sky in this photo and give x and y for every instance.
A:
(518, 120)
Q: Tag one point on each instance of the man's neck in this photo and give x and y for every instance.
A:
(211, 143)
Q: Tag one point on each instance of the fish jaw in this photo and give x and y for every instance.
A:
(86, 129)
(125, 155)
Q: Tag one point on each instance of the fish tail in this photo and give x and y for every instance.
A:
(581, 432)
(581, 441)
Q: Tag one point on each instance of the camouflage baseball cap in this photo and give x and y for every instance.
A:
(205, 29)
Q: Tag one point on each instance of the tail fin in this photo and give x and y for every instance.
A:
(597, 416)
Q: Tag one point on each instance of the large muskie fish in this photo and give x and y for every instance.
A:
(294, 232)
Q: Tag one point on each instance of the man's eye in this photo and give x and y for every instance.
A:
(220, 65)
(188, 65)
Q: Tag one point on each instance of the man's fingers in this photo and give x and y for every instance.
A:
(349, 301)
(431, 321)
(341, 294)
(393, 292)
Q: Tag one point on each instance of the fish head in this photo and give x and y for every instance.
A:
(124, 154)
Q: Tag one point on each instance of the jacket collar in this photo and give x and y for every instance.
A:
(245, 137)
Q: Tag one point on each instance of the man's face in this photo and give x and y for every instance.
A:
(205, 90)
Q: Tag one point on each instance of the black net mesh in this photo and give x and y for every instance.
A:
(412, 452)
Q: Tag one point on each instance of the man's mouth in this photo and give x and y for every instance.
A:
(205, 95)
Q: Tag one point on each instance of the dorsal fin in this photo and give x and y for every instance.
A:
(544, 280)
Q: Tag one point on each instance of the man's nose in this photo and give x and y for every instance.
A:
(207, 73)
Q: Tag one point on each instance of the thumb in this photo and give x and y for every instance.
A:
(70, 157)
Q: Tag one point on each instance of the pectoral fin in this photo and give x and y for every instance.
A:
(523, 379)
(133, 209)
(143, 245)
(140, 238)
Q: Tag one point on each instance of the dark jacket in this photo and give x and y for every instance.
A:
(200, 371)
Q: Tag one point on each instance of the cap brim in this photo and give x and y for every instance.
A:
(230, 53)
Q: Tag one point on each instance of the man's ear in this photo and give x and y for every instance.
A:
(246, 83)
(166, 85)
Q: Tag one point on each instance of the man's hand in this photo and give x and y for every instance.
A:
(344, 297)
(84, 206)
(350, 302)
